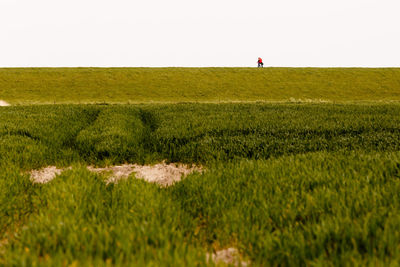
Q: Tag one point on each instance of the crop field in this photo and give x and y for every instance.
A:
(289, 184)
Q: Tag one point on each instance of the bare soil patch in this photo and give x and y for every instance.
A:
(229, 256)
(45, 175)
(115, 173)
(4, 104)
(308, 100)
(161, 173)
(164, 174)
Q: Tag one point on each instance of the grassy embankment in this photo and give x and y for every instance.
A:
(144, 85)
(288, 184)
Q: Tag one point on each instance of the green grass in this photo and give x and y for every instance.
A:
(315, 209)
(146, 85)
(80, 220)
(286, 184)
(36, 136)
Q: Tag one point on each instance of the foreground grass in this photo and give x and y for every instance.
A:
(314, 209)
(286, 184)
(144, 85)
(77, 219)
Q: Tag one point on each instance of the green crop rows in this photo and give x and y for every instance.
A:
(286, 184)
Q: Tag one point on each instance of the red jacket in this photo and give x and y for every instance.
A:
(259, 60)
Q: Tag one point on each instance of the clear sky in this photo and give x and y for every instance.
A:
(198, 33)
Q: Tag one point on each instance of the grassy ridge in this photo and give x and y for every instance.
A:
(137, 85)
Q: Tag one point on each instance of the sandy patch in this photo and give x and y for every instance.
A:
(308, 100)
(4, 104)
(164, 174)
(115, 172)
(228, 256)
(45, 175)
(161, 173)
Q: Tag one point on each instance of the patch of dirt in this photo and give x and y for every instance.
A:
(161, 173)
(116, 172)
(164, 174)
(308, 100)
(45, 175)
(228, 256)
(4, 104)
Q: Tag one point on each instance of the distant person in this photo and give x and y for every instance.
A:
(260, 63)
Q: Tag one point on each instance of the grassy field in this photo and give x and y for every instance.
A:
(289, 184)
(286, 184)
(145, 85)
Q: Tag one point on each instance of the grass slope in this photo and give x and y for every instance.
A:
(136, 85)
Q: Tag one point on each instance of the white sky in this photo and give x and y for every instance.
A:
(200, 33)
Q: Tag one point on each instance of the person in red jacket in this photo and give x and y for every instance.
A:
(260, 63)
